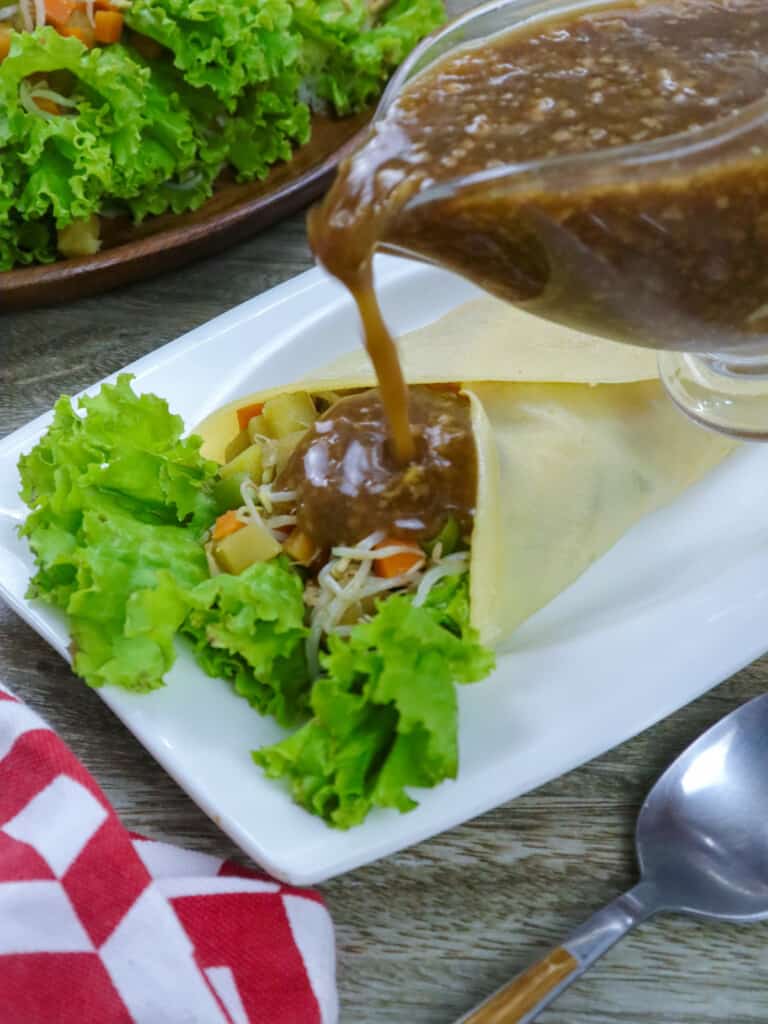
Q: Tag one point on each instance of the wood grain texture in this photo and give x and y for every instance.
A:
(425, 935)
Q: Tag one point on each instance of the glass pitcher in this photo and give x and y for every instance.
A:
(687, 278)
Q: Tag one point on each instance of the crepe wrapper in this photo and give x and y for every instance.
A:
(576, 441)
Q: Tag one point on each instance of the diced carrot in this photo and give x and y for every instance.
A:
(226, 524)
(446, 386)
(396, 565)
(104, 5)
(5, 43)
(49, 106)
(146, 46)
(108, 26)
(58, 12)
(85, 35)
(300, 547)
(246, 414)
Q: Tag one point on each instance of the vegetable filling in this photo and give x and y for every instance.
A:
(307, 483)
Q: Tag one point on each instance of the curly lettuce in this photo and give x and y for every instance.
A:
(224, 45)
(264, 130)
(233, 86)
(119, 501)
(73, 159)
(384, 709)
(349, 55)
(120, 135)
(22, 241)
(249, 629)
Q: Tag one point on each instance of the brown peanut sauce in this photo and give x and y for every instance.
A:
(678, 258)
(349, 483)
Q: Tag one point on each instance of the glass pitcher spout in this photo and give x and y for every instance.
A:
(603, 166)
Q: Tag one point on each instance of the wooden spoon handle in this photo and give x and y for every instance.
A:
(521, 1001)
(529, 990)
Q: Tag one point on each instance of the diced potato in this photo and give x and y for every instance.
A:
(226, 491)
(250, 461)
(284, 448)
(238, 444)
(80, 238)
(257, 427)
(285, 414)
(240, 550)
(227, 523)
(300, 547)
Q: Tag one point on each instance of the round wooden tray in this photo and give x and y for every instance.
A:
(133, 253)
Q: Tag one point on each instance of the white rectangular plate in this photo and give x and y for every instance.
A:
(677, 606)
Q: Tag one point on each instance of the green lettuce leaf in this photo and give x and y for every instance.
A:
(224, 45)
(191, 144)
(73, 159)
(24, 242)
(250, 630)
(119, 501)
(125, 136)
(268, 123)
(169, 140)
(384, 710)
(21, 241)
(348, 56)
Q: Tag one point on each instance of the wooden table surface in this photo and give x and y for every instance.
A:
(424, 934)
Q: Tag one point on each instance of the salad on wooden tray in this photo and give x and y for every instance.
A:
(136, 108)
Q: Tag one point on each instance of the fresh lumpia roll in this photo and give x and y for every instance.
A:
(309, 474)
(568, 441)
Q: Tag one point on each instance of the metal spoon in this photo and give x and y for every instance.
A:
(702, 846)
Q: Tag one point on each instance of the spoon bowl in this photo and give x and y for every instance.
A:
(702, 848)
(702, 833)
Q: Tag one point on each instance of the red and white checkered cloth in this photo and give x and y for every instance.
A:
(98, 926)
